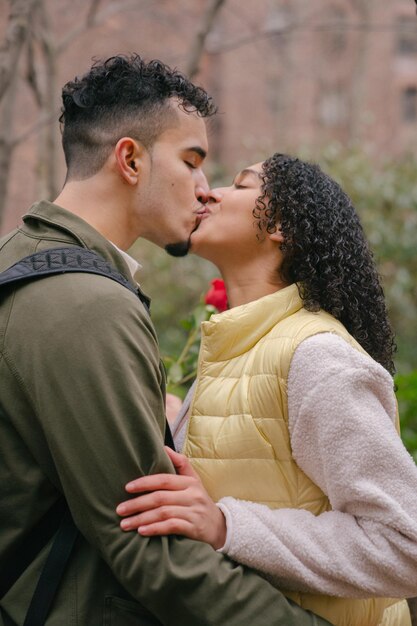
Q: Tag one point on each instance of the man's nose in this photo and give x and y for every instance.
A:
(202, 189)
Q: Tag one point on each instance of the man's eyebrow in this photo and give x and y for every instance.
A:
(201, 153)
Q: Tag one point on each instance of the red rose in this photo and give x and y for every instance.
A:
(216, 295)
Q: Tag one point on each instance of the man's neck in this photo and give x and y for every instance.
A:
(95, 205)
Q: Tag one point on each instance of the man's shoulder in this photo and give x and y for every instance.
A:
(73, 303)
(78, 294)
(23, 241)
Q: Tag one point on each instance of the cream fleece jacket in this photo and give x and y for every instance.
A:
(341, 419)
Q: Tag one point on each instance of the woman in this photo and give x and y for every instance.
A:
(293, 421)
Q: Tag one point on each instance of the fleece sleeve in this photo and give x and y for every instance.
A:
(341, 417)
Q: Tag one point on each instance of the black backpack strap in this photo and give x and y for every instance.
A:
(168, 439)
(60, 261)
(31, 545)
(57, 560)
(52, 571)
(58, 519)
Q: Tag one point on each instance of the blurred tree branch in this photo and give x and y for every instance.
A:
(296, 26)
(93, 19)
(359, 74)
(17, 31)
(96, 18)
(197, 47)
(48, 148)
(30, 28)
(6, 137)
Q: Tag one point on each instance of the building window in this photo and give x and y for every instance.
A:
(334, 31)
(280, 17)
(275, 94)
(279, 24)
(406, 35)
(409, 104)
(332, 109)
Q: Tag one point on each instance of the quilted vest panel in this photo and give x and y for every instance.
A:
(238, 438)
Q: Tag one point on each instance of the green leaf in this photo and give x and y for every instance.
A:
(175, 373)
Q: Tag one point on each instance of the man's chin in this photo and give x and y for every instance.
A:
(178, 249)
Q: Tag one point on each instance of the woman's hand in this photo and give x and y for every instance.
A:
(177, 504)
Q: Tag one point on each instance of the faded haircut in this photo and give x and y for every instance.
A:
(122, 96)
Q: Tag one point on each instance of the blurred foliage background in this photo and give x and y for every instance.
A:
(386, 199)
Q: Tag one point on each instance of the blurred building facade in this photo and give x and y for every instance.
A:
(321, 71)
(286, 74)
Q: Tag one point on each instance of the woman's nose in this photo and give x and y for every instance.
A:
(202, 189)
(215, 196)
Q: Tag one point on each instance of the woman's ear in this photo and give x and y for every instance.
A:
(277, 235)
(129, 154)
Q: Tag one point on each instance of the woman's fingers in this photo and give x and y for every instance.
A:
(171, 482)
(162, 514)
(169, 527)
(191, 513)
(185, 477)
(154, 500)
(173, 504)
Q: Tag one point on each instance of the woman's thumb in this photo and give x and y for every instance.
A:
(181, 463)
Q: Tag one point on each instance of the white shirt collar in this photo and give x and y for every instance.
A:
(132, 264)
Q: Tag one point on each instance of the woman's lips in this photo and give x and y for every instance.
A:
(202, 214)
(204, 211)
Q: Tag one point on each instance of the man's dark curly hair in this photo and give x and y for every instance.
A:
(325, 250)
(122, 96)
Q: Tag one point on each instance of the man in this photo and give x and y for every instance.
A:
(82, 390)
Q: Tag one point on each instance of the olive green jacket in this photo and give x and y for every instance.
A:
(82, 392)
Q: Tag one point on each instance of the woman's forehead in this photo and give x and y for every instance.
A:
(256, 166)
(254, 170)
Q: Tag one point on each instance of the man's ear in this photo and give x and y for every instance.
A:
(277, 235)
(129, 156)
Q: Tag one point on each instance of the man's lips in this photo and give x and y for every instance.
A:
(203, 211)
(201, 214)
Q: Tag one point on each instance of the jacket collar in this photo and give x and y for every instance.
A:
(51, 222)
(229, 334)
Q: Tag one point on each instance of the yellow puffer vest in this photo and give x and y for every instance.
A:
(238, 438)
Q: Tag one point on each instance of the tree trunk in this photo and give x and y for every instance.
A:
(6, 141)
(46, 94)
(197, 47)
(359, 80)
(50, 139)
(15, 38)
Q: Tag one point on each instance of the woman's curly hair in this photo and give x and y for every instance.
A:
(325, 250)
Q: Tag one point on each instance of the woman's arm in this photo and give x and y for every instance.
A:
(341, 412)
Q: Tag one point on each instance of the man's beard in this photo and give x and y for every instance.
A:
(181, 248)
